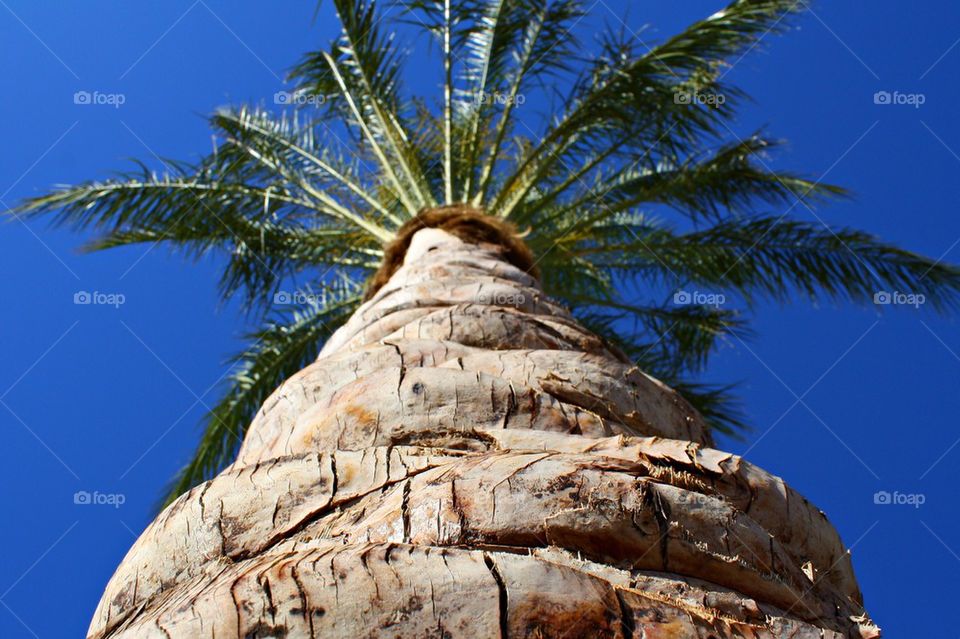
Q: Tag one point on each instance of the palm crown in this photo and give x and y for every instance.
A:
(635, 182)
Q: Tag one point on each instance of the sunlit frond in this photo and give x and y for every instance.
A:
(654, 104)
(268, 224)
(256, 132)
(363, 73)
(771, 256)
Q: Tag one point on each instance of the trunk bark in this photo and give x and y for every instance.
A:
(465, 460)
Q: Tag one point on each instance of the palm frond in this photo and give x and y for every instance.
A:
(626, 95)
(363, 72)
(267, 232)
(544, 45)
(773, 257)
(729, 181)
(255, 132)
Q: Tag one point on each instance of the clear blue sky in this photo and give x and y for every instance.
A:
(845, 401)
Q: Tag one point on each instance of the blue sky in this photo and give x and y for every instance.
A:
(845, 401)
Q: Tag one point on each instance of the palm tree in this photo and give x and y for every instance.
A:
(466, 456)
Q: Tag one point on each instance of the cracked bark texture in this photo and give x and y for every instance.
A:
(465, 460)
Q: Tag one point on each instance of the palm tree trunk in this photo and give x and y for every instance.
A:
(465, 460)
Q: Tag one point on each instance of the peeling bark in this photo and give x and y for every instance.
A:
(465, 460)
